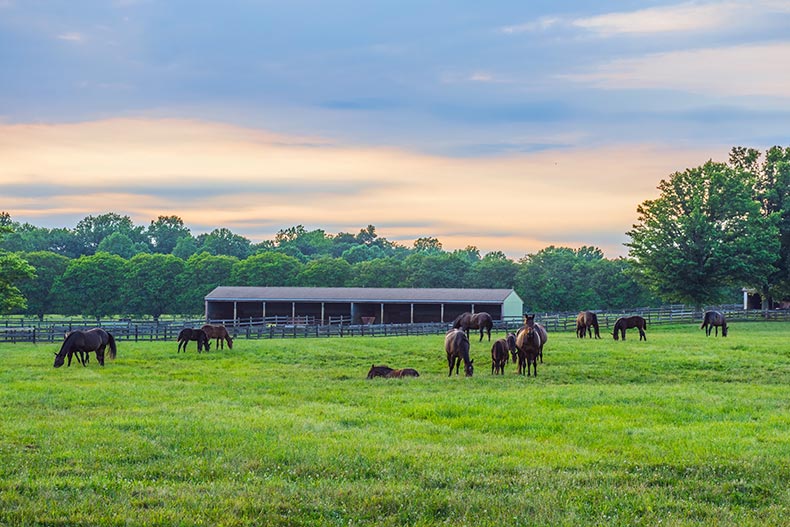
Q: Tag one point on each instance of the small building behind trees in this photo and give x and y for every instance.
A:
(326, 305)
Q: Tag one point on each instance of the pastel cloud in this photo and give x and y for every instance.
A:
(683, 17)
(761, 71)
(255, 183)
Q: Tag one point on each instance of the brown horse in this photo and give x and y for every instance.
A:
(456, 344)
(81, 342)
(714, 319)
(220, 333)
(529, 344)
(405, 372)
(624, 323)
(198, 335)
(586, 321)
(529, 320)
(499, 356)
(481, 321)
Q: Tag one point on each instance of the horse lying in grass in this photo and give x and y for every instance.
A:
(389, 373)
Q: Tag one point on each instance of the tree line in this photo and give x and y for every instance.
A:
(109, 266)
(713, 229)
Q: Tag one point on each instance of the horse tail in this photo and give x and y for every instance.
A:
(113, 347)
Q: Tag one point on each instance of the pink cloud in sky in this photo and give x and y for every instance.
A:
(256, 183)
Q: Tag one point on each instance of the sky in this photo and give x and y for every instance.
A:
(505, 125)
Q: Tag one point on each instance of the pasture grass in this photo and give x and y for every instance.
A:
(679, 430)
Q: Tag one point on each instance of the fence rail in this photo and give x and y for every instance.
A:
(16, 329)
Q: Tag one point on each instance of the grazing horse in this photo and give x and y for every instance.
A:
(499, 356)
(379, 371)
(529, 344)
(187, 334)
(405, 372)
(714, 319)
(529, 320)
(456, 344)
(81, 342)
(220, 333)
(586, 321)
(481, 321)
(624, 323)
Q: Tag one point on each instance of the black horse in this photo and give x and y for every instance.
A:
(187, 334)
(456, 344)
(624, 323)
(81, 342)
(714, 319)
(481, 321)
(379, 371)
(586, 321)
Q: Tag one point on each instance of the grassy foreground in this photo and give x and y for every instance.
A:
(680, 430)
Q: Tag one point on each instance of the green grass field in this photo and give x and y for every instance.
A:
(679, 430)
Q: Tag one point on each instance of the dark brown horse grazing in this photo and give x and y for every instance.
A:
(379, 371)
(405, 372)
(586, 321)
(481, 321)
(499, 356)
(624, 323)
(79, 342)
(714, 319)
(220, 333)
(529, 344)
(198, 335)
(529, 320)
(456, 344)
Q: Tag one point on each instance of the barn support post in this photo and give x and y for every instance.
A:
(382, 313)
(473, 309)
(322, 313)
(412, 314)
(235, 312)
(441, 319)
(293, 312)
(264, 311)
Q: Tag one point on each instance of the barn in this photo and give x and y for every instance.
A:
(326, 305)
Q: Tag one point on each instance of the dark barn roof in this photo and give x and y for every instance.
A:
(358, 294)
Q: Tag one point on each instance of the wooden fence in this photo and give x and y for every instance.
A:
(16, 329)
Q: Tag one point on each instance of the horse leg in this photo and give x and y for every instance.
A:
(642, 335)
(100, 356)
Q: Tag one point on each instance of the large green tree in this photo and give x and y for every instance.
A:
(704, 232)
(325, 272)
(494, 270)
(92, 285)
(430, 268)
(38, 290)
(203, 272)
(13, 270)
(91, 230)
(151, 286)
(223, 242)
(164, 233)
(772, 176)
(266, 269)
(381, 272)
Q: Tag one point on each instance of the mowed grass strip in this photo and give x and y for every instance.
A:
(679, 430)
